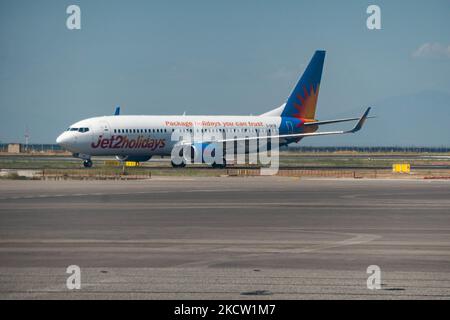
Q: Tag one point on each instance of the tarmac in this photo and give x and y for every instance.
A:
(225, 238)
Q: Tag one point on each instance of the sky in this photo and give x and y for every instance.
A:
(222, 57)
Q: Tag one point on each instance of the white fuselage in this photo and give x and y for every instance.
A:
(155, 135)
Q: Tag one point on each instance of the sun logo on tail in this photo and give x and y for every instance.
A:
(306, 105)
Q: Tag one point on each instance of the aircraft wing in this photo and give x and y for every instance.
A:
(356, 128)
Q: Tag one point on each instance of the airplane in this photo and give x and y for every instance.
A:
(140, 137)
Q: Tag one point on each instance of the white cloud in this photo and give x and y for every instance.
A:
(432, 50)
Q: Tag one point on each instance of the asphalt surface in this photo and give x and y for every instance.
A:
(229, 238)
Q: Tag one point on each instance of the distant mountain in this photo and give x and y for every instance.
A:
(421, 119)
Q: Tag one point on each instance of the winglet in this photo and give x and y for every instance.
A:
(117, 112)
(361, 121)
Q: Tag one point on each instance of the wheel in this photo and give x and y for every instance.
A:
(87, 163)
(220, 165)
(181, 165)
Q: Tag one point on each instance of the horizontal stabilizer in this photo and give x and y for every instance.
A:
(318, 123)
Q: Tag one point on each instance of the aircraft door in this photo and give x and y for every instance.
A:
(104, 129)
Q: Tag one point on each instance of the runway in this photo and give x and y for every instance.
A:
(225, 238)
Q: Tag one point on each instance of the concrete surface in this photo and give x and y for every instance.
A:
(208, 238)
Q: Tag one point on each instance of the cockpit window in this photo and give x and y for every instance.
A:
(73, 129)
(83, 130)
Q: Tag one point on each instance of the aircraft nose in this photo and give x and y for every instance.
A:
(62, 140)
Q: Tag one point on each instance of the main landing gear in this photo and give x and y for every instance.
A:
(222, 165)
(178, 165)
(214, 165)
(87, 163)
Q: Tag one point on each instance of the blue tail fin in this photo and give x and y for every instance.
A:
(301, 104)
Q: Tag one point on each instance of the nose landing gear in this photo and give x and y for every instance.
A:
(87, 163)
